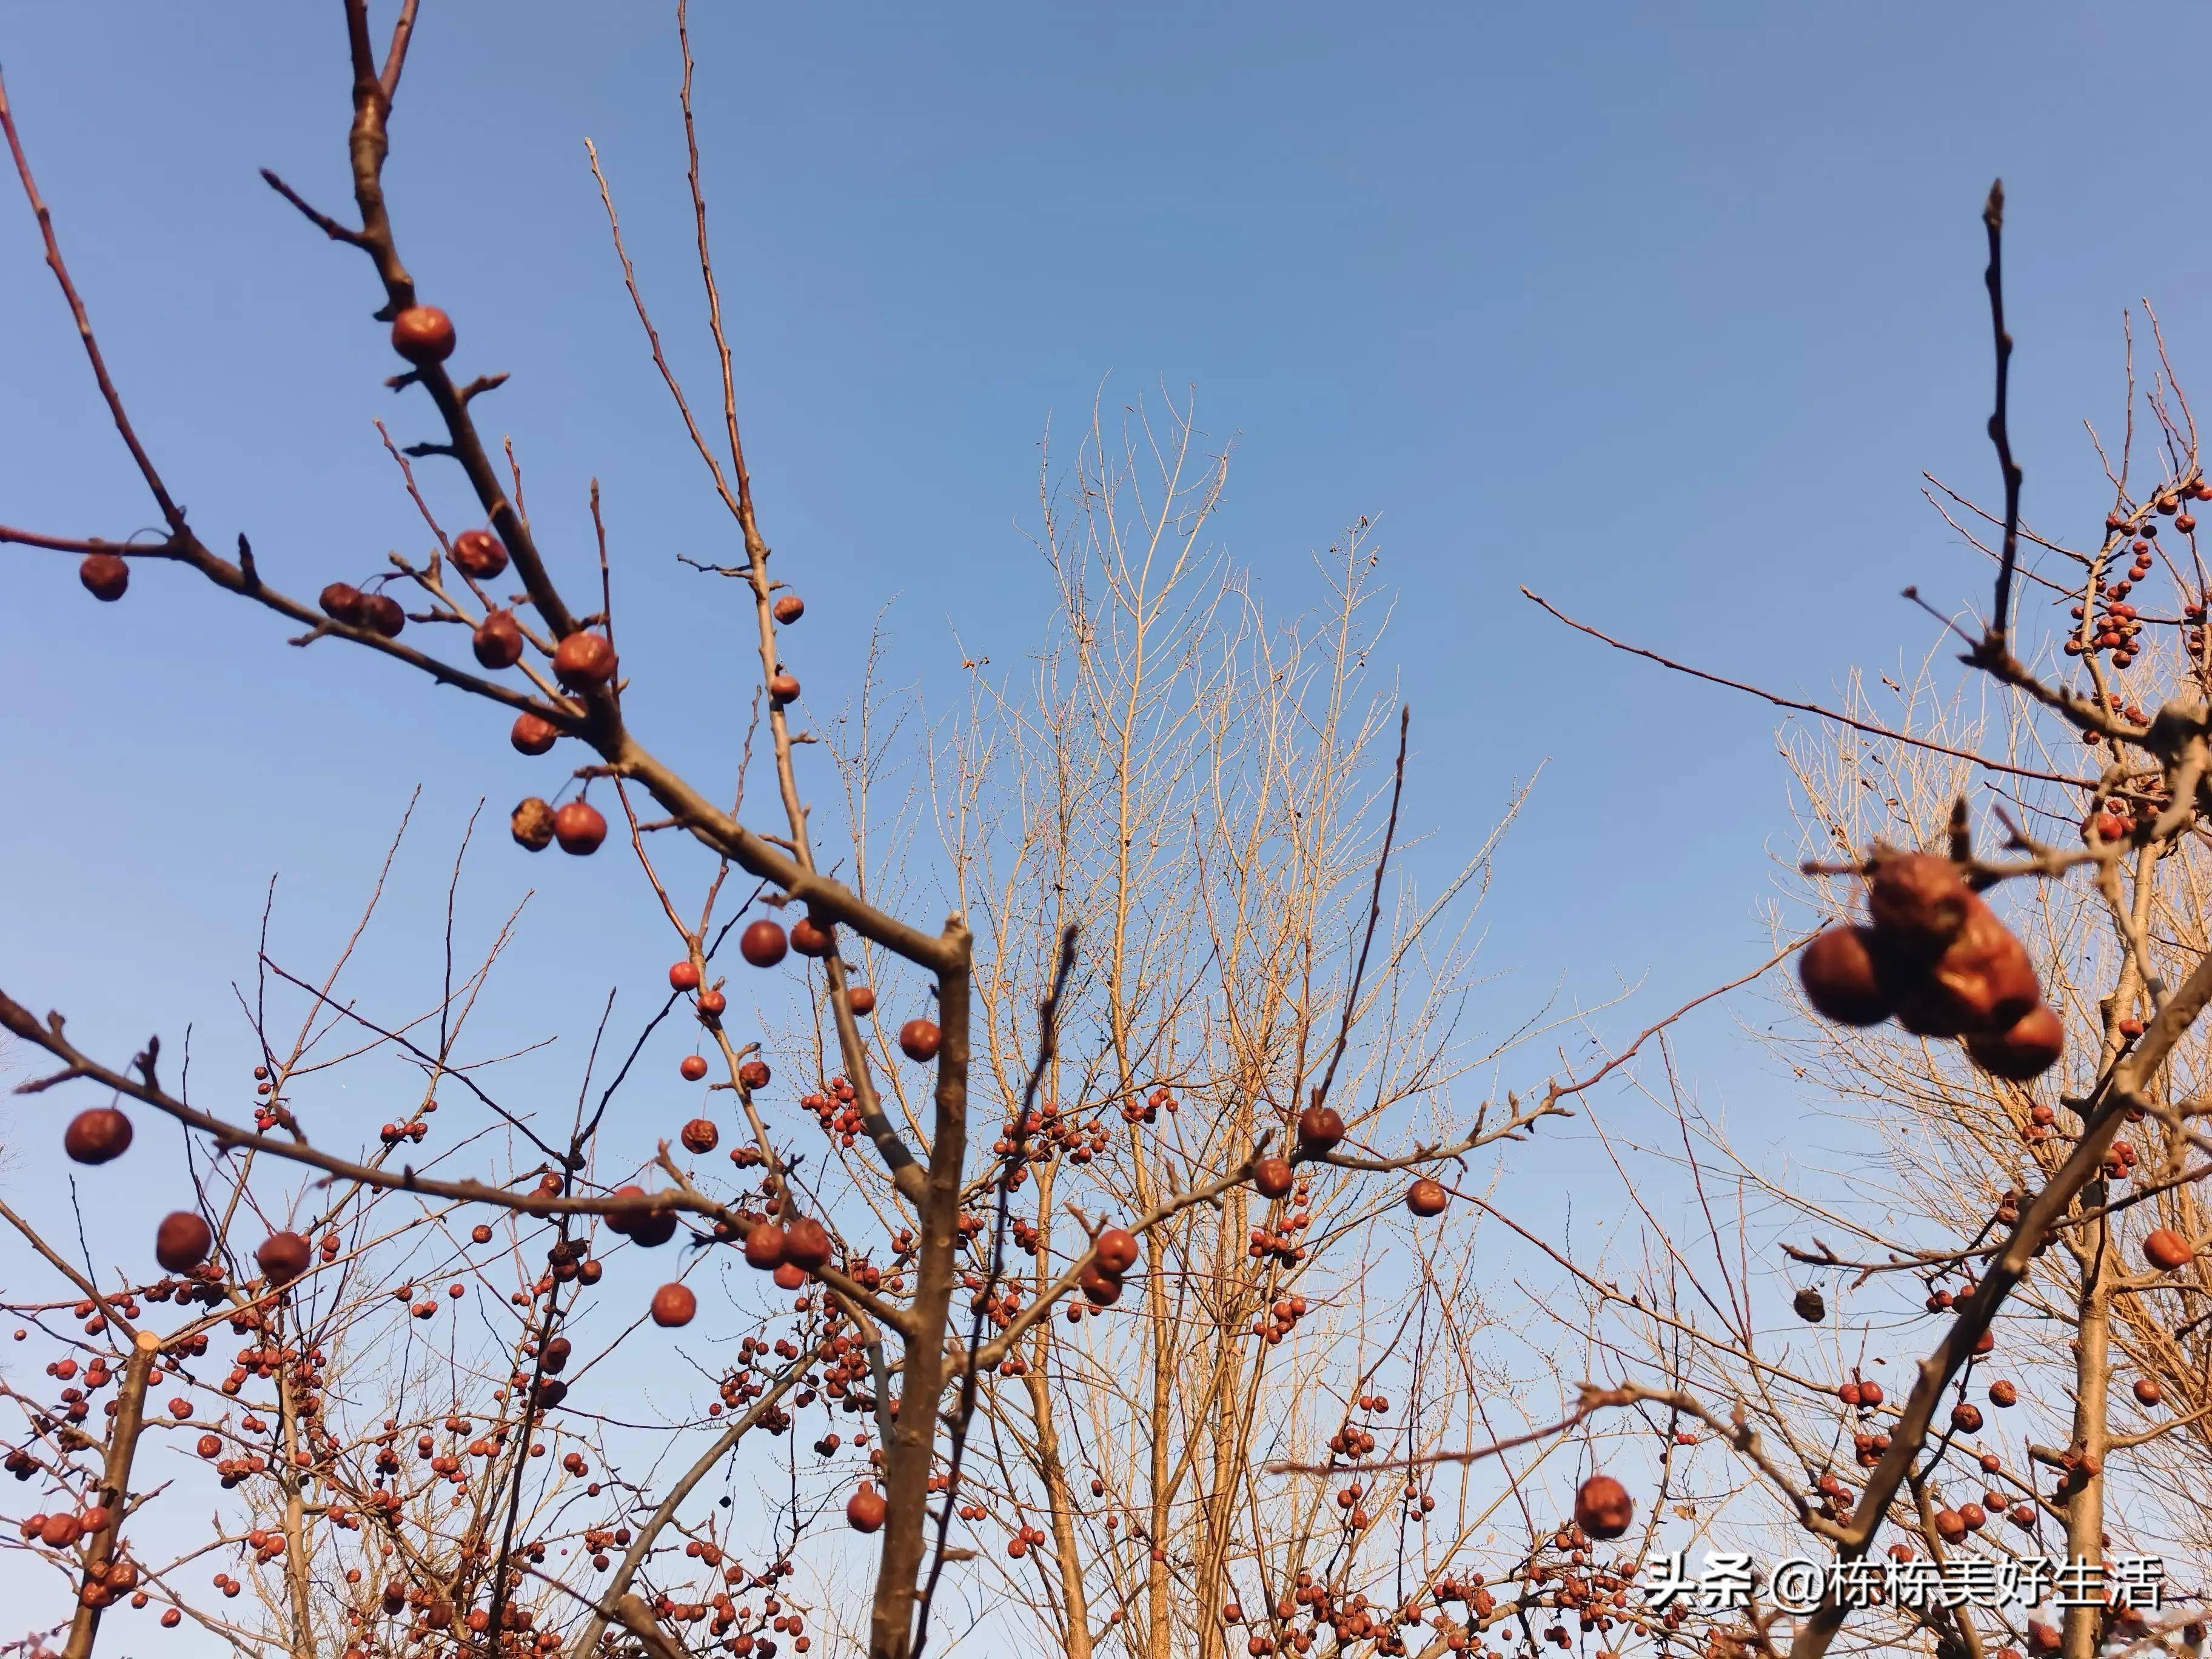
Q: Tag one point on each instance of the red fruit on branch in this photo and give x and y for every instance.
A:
(1870, 1394)
(1115, 1250)
(381, 613)
(693, 1066)
(787, 1276)
(341, 602)
(1272, 1177)
(789, 608)
(862, 1001)
(674, 1305)
(806, 1243)
(532, 735)
(105, 576)
(762, 944)
(1842, 979)
(555, 1355)
(2028, 1048)
(2004, 1392)
(810, 938)
(2166, 1250)
(1917, 901)
(479, 554)
(1966, 1417)
(918, 1039)
(283, 1257)
(182, 1242)
(865, 1510)
(765, 1246)
(584, 658)
(1427, 1196)
(684, 975)
(1981, 982)
(422, 334)
(580, 827)
(700, 1135)
(1319, 1128)
(97, 1136)
(1603, 1508)
(2148, 1391)
(782, 689)
(1101, 1289)
(497, 641)
(712, 1004)
(753, 1073)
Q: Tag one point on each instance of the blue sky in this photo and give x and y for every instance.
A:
(1659, 310)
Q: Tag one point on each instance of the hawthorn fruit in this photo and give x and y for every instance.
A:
(105, 576)
(765, 1246)
(684, 975)
(789, 608)
(2166, 1250)
(341, 602)
(580, 827)
(700, 1135)
(918, 1039)
(1841, 979)
(862, 1001)
(381, 613)
(1272, 1177)
(2026, 1048)
(783, 688)
(1319, 1128)
(532, 824)
(584, 658)
(694, 1068)
(810, 938)
(806, 1243)
(865, 1510)
(283, 1257)
(479, 554)
(97, 1136)
(533, 735)
(762, 943)
(422, 334)
(674, 1305)
(497, 641)
(753, 1073)
(1115, 1250)
(183, 1240)
(1603, 1508)
(1426, 1197)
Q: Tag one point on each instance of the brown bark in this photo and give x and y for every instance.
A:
(114, 1489)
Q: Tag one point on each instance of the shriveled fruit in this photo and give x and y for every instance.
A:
(1809, 1305)
(1115, 1250)
(762, 943)
(105, 576)
(533, 735)
(2004, 1392)
(532, 824)
(865, 1508)
(918, 1039)
(1603, 1508)
(97, 1136)
(1319, 1128)
(479, 554)
(700, 1135)
(584, 658)
(693, 1066)
(183, 1240)
(783, 689)
(283, 1257)
(674, 1305)
(580, 827)
(806, 1243)
(1842, 979)
(789, 608)
(1427, 1196)
(862, 1000)
(1917, 901)
(422, 334)
(480, 1234)
(380, 612)
(654, 1227)
(341, 602)
(810, 938)
(1966, 1417)
(1272, 1177)
(1981, 980)
(765, 1246)
(684, 975)
(555, 1356)
(753, 1073)
(2166, 1250)
(497, 641)
(2029, 1047)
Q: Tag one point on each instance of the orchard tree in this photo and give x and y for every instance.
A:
(1123, 1222)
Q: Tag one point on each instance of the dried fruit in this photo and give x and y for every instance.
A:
(918, 1039)
(1319, 1128)
(1917, 901)
(2004, 1392)
(1966, 1417)
(764, 1244)
(810, 938)
(789, 608)
(1983, 981)
(762, 943)
(283, 1257)
(584, 658)
(753, 1073)
(497, 641)
(2031, 1046)
(97, 1136)
(1115, 1250)
(479, 554)
(341, 602)
(183, 1240)
(806, 1243)
(1427, 1196)
(674, 1305)
(864, 1509)
(105, 576)
(1809, 1305)
(2166, 1250)
(783, 688)
(422, 334)
(1842, 978)
(700, 1135)
(1272, 1177)
(532, 824)
(1602, 1507)
(580, 827)
(381, 613)
(532, 735)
